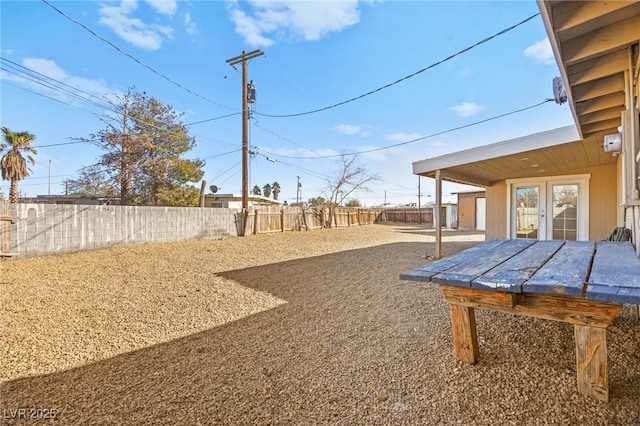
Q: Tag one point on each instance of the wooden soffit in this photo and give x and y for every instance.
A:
(596, 48)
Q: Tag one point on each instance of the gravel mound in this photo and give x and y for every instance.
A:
(295, 328)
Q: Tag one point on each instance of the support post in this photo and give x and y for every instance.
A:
(591, 361)
(465, 336)
(436, 215)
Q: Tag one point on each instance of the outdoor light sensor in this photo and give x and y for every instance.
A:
(613, 143)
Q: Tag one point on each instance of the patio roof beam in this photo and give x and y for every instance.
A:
(603, 102)
(603, 40)
(601, 115)
(604, 86)
(596, 68)
(572, 15)
(611, 125)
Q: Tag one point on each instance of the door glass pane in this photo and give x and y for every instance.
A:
(527, 210)
(565, 212)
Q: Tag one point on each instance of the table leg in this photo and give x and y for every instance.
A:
(465, 337)
(591, 361)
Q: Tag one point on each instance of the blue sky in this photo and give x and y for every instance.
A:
(317, 54)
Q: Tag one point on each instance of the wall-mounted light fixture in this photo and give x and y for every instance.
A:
(613, 143)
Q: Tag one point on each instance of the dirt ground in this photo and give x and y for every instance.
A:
(296, 328)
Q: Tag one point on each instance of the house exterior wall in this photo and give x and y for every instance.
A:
(619, 191)
(603, 202)
(467, 209)
(496, 211)
(604, 196)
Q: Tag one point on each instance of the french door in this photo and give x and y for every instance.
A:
(549, 209)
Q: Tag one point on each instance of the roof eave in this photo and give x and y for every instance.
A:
(512, 146)
(545, 13)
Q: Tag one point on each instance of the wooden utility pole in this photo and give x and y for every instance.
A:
(243, 58)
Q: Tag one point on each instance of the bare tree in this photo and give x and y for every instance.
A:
(347, 179)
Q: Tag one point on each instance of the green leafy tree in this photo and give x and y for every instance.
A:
(256, 190)
(19, 149)
(353, 203)
(91, 180)
(317, 201)
(266, 190)
(145, 154)
(275, 187)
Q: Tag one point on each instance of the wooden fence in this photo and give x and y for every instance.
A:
(5, 228)
(423, 215)
(265, 219)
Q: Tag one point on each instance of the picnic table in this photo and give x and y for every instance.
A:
(583, 283)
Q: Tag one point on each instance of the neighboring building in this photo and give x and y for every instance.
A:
(472, 210)
(84, 199)
(234, 201)
(577, 182)
(448, 215)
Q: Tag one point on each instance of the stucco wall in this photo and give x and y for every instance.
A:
(57, 228)
(496, 211)
(603, 203)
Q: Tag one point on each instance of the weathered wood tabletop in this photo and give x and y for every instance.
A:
(580, 282)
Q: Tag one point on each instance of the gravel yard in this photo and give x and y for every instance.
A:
(296, 328)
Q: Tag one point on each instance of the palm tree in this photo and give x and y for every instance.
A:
(256, 190)
(266, 190)
(13, 163)
(275, 188)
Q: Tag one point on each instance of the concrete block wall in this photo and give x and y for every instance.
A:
(44, 229)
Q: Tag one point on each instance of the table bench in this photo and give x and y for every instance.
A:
(583, 283)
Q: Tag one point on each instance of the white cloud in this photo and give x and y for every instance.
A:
(467, 109)
(347, 129)
(50, 69)
(324, 152)
(189, 25)
(440, 143)
(164, 7)
(378, 153)
(351, 130)
(402, 137)
(268, 21)
(540, 52)
(464, 73)
(249, 28)
(133, 30)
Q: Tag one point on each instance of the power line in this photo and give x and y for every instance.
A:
(54, 99)
(51, 98)
(423, 137)
(448, 58)
(290, 141)
(43, 80)
(302, 89)
(302, 169)
(65, 143)
(134, 58)
(220, 155)
(214, 118)
(53, 84)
